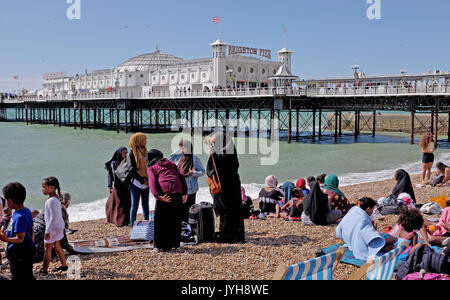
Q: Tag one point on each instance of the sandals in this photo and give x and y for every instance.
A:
(61, 269)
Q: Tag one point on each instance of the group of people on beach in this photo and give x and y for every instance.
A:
(34, 237)
(319, 201)
(173, 181)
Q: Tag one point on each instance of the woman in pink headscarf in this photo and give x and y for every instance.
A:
(301, 184)
(270, 198)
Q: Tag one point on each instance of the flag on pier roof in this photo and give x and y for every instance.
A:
(16, 77)
(216, 20)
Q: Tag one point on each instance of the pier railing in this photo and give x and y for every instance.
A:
(366, 91)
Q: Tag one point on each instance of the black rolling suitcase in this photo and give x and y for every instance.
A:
(201, 220)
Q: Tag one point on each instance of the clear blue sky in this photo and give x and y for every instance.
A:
(327, 36)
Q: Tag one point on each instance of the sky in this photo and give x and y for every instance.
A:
(326, 36)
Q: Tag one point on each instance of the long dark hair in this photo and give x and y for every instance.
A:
(53, 181)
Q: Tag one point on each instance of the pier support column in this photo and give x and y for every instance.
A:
(436, 123)
(314, 126)
(81, 117)
(290, 121)
(374, 124)
(320, 124)
(297, 134)
(336, 126)
(340, 123)
(117, 120)
(413, 118)
(448, 127)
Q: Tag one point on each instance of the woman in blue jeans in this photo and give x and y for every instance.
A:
(139, 178)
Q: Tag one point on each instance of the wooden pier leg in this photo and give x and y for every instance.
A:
(75, 117)
(436, 123)
(81, 117)
(26, 114)
(59, 121)
(250, 118)
(336, 126)
(320, 124)
(314, 126)
(340, 123)
(413, 117)
(272, 125)
(374, 124)
(117, 120)
(297, 129)
(448, 127)
(290, 121)
(259, 122)
(126, 119)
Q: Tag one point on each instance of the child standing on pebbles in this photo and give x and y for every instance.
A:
(54, 224)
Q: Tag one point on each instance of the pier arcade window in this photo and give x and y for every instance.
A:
(239, 70)
(252, 70)
(263, 71)
(142, 75)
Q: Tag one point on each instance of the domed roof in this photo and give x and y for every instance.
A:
(148, 62)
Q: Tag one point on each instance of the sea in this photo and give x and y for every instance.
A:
(77, 158)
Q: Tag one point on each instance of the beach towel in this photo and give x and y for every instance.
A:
(359, 235)
(350, 259)
(102, 250)
(109, 245)
(445, 218)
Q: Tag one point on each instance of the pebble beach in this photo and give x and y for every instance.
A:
(270, 243)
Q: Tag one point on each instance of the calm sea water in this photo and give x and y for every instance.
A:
(30, 153)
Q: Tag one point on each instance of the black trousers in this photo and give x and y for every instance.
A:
(168, 223)
(21, 262)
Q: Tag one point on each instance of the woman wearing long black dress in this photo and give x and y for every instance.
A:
(403, 185)
(227, 204)
(119, 202)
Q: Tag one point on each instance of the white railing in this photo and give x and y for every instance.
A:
(254, 93)
(377, 91)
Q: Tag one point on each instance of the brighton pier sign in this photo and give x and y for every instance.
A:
(232, 50)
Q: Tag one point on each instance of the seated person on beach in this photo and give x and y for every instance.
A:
(248, 209)
(321, 180)
(441, 177)
(338, 201)
(301, 183)
(403, 185)
(316, 209)
(310, 180)
(440, 234)
(359, 231)
(270, 197)
(292, 211)
(410, 223)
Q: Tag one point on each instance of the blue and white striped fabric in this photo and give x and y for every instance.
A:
(320, 268)
(384, 266)
(143, 231)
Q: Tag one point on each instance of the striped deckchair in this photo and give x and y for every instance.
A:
(320, 268)
(380, 268)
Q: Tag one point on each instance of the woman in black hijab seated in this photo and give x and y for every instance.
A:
(403, 185)
(227, 204)
(316, 208)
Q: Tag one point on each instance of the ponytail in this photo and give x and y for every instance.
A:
(53, 181)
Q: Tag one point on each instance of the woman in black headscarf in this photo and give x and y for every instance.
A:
(403, 185)
(119, 201)
(316, 208)
(227, 204)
